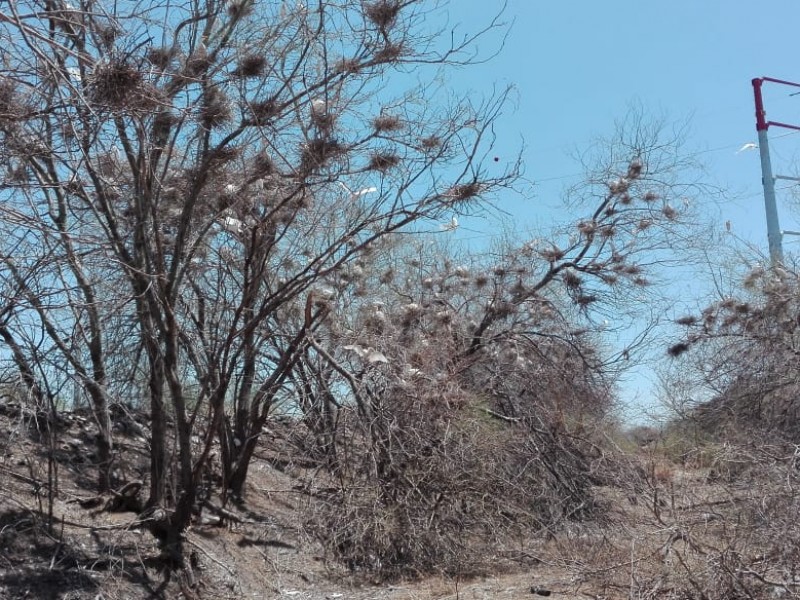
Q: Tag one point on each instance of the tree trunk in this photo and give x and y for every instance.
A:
(105, 446)
(238, 475)
(158, 434)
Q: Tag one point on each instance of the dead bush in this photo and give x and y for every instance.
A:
(689, 537)
(422, 489)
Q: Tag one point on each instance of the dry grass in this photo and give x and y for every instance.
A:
(681, 520)
(681, 532)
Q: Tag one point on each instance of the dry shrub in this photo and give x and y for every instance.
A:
(748, 546)
(434, 483)
(712, 533)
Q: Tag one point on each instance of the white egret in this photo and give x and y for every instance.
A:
(451, 226)
(368, 354)
(359, 193)
(747, 146)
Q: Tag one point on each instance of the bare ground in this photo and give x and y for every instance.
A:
(652, 542)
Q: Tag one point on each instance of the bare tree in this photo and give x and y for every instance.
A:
(215, 161)
(739, 355)
(439, 379)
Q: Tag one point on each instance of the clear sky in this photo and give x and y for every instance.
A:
(578, 65)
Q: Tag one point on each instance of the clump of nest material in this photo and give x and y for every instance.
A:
(250, 65)
(240, 9)
(318, 152)
(322, 117)
(571, 280)
(552, 254)
(463, 192)
(650, 196)
(197, 62)
(215, 109)
(430, 143)
(11, 108)
(160, 57)
(264, 111)
(263, 164)
(687, 320)
(118, 84)
(608, 231)
(107, 35)
(383, 162)
(222, 155)
(387, 123)
(348, 65)
(587, 227)
(677, 349)
(382, 13)
(389, 53)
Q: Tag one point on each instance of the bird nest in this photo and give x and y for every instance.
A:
(117, 84)
(319, 151)
(382, 13)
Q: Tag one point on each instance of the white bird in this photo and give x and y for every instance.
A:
(747, 146)
(319, 108)
(368, 354)
(232, 225)
(325, 292)
(359, 193)
(369, 190)
(74, 73)
(451, 226)
(412, 372)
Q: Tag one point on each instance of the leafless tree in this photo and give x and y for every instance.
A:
(430, 361)
(214, 161)
(740, 353)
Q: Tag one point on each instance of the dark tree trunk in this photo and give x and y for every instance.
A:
(102, 416)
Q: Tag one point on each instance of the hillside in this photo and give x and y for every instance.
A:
(702, 525)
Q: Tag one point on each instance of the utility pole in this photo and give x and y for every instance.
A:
(774, 233)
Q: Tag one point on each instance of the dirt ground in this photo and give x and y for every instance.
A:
(647, 538)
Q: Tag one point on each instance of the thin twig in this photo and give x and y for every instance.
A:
(211, 557)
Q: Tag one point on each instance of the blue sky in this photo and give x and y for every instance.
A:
(578, 66)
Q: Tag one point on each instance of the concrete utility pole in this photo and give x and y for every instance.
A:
(774, 233)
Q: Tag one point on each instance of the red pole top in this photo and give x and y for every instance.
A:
(761, 115)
